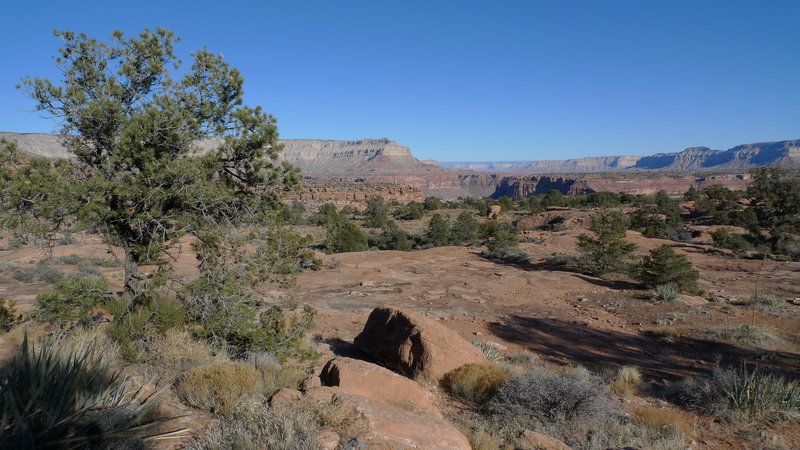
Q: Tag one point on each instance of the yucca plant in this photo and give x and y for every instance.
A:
(53, 397)
(745, 394)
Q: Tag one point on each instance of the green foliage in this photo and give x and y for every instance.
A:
(39, 272)
(412, 211)
(724, 239)
(665, 292)
(8, 315)
(608, 251)
(392, 237)
(70, 299)
(377, 213)
(474, 383)
(735, 394)
(465, 228)
(438, 233)
(52, 396)
(776, 196)
(344, 236)
(504, 246)
(293, 214)
(506, 203)
(326, 215)
(433, 203)
(131, 117)
(137, 327)
(661, 218)
(665, 267)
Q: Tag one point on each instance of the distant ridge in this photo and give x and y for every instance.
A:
(741, 157)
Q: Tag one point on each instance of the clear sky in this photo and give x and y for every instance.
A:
(468, 80)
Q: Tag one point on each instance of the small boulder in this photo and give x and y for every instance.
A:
(284, 396)
(372, 381)
(532, 440)
(414, 345)
(328, 440)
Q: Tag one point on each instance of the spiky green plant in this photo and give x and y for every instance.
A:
(52, 397)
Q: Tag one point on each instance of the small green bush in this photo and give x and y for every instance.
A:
(344, 236)
(8, 315)
(474, 383)
(70, 299)
(220, 388)
(608, 251)
(665, 267)
(438, 233)
(735, 394)
(560, 259)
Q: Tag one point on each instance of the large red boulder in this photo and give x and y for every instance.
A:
(373, 381)
(414, 345)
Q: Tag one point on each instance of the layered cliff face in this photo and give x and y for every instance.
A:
(741, 157)
(355, 194)
(361, 156)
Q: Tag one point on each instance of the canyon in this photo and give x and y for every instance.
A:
(351, 171)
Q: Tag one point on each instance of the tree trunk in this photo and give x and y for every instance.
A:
(132, 279)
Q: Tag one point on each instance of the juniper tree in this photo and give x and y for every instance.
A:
(160, 151)
(608, 251)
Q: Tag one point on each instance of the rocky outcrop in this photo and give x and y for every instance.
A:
(414, 345)
(372, 381)
(356, 194)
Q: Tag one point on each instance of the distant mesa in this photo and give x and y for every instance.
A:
(741, 157)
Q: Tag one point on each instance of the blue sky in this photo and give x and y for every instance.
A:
(469, 80)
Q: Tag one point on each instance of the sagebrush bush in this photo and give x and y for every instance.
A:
(552, 395)
(55, 396)
(627, 381)
(137, 327)
(742, 393)
(743, 334)
(41, 273)
(763, 300)
(275, 377)
(560, 259)
(220, 388)
(70, 299)
(507, 254)
(474, 383)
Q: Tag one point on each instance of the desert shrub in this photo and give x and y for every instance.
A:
(344, 236)
(480, 438)
(138, 327)
(763, 300)
(741, 393)
(41, 273)
(743, 334)
(70, 299)
(663, 266)
(608, 251)
(276, 376)
(438, 232)
(326, 215)
(560, 259)
(627, 381)
(520, 358)
(658, 419)
(220, 387)
(56, 397)
(724, 239)
(8, 315)
(432, 203)
(77, 260)
(552, 395)
(177, 352)
(377, 213)
(504, 246)
(474, 383)
(665, 293)
(412, 211)
(465, 228)
(392, 237)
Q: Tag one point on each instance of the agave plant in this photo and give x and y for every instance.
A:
(54, 397)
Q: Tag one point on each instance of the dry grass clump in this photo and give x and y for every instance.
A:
(480, 439)
(661, 420)
(275, 377)
(221, 387)
(474, 383)
(627, 381)
(490, 350)
(178, 352)
(744, 334)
